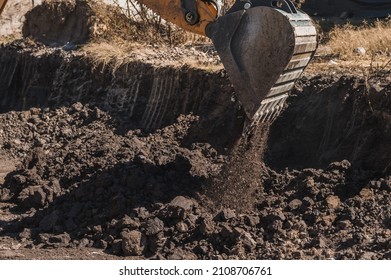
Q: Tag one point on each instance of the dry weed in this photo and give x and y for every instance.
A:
(374, 37)
(112, 54)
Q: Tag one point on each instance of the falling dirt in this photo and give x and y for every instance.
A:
(93, 166)
(237, 184)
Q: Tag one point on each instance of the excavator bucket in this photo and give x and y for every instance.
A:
(264, 45)
(264, 49)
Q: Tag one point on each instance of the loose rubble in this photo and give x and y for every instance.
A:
(80, 184)
(316, 184)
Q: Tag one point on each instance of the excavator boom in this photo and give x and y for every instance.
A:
(191, 15)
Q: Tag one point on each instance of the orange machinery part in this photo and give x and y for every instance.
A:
(171, 10)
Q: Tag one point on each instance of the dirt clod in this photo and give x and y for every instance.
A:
(333, 201)
(132, 242)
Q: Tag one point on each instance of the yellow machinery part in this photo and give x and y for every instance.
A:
(172, 11)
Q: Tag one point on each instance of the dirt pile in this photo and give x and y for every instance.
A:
(134, 176)
(59, 22)
(80, 184)
(11, 20)
(145, 159)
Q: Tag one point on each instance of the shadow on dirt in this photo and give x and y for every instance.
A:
(137, 96)
(134, 190)
(334, 120)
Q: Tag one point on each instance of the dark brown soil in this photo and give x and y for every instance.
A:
(150, 160)
(79, 174)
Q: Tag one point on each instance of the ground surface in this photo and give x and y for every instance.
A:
(78, 180)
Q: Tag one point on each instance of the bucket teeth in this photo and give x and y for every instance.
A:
(270, 109)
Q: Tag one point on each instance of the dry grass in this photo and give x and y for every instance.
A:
(108, 54)
(336, 52)
(9, 38)
(374, 37)
(119, 55)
